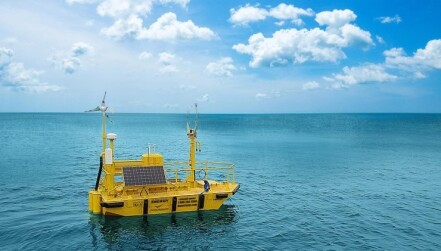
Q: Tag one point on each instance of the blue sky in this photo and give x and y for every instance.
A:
(228, 56)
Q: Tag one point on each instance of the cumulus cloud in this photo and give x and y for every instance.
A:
(299, 46)
(290, 12)
(363, 74)
(222, 67)
(5, 56)
(166, 28)
(397, 64)
(423, 59)
(122, 8)
(128, 21)
(310, 85)
(144, 55)
(387, 20)
(80, 49)
(17, 77)
(129, 27)
(268, 95)
(168, 62)
(249, 14)
(70, 62)
(204, 98)
(335, 18)
(70, 65)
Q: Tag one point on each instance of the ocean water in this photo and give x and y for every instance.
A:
(308, 182)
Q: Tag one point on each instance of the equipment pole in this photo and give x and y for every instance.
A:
(104, 131)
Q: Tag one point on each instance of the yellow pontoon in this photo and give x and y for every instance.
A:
(151, 186)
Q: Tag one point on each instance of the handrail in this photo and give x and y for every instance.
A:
(179, 168)
(177, 172)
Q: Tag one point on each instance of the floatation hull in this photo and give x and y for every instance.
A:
(161, 203)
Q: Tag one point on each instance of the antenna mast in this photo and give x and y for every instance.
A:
(192, 134)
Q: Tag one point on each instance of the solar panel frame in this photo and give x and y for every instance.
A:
(144, 175)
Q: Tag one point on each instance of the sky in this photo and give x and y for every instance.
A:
(162, 56)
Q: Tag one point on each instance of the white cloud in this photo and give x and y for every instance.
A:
(18, 78)
(123, 8)
(299, 46)
(81, 1)
(290, 12)
(182, 3)
(387, 20)
(280, 23)
(204, 98)
(294, 45)
(167, 28)
(130, 27)
(362, 74)
(222, 67)
(268, 95)
(5, 56)
(394, 52)
(310, 85)
(70, 62)
(70, 65)
(168, 62)
(352, 34)
(396, 61)
(128, 21)
(166, 58)
(261, 96)
(144, 55)
(380, 39)
(423, 59)
(80, 49)
(335, 18)
(247, 14)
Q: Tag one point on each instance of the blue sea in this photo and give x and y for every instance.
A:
(308, 182)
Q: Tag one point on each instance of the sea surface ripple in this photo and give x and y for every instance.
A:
(308, 182)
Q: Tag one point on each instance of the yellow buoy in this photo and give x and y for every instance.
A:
(149, 185)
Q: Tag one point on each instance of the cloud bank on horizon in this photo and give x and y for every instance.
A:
(233, 56)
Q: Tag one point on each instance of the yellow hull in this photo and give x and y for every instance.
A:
(141, 203)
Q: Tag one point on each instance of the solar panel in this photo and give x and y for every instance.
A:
(144, 175)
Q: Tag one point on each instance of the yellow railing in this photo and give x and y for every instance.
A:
(177, 172)
(219, 171)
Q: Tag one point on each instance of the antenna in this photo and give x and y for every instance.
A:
(192, 134)
(188, 122)
(196, 120)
